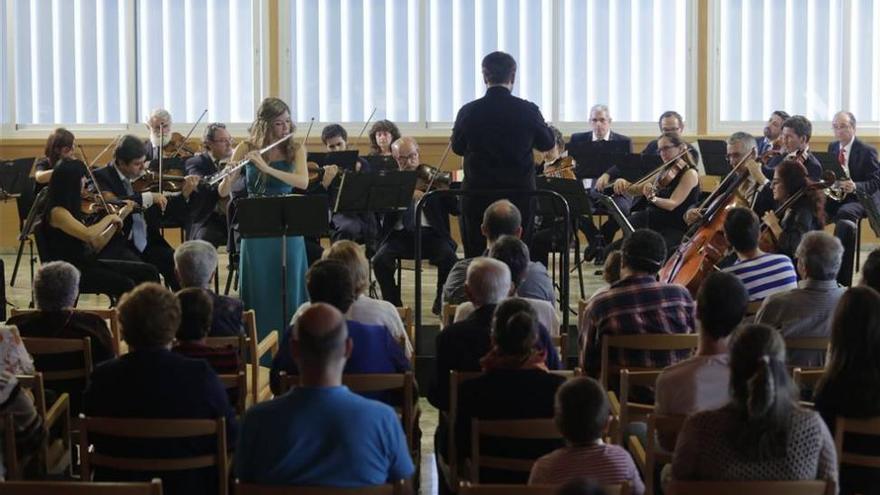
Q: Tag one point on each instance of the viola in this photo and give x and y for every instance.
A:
(430, 178)
(176, 147)
(767, 240)
(562, 168)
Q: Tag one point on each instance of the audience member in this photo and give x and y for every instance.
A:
(637, 304)
(195, 263)
(762, 273)
(700, 383)
(196, 308)
(807, 310)
(762, 434)
(153, 382)
(850, 387)
(320, 433)
(375, 350)
(27, 424)
(581, 486)
(871, 270)
(582, 416)
(515, 385)
(515, 254)
(501, 218)
(610, 272)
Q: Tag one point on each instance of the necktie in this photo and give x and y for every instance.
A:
(841, 159)
(138, 224)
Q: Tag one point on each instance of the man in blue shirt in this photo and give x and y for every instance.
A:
(322, 434)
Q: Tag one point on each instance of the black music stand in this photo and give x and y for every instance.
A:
(594, 158)
(635, 166)
(380, 163)
(15, 180)
(283, 216)
(829, 162)
(345, 160)
(714, 154)
(579, 205)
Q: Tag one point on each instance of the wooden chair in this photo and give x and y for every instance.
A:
(750, 487)
(642, 342)
(533, 429)
(110, 316)
(629, 410)
(465, 488)
(55, 452)
(154, 429)
(387, 489)
(807, 379)
(866, 426)
(815, 344)
(447, 315)
(44, 347)
(258, 377)
(661, 429)
(81, 488)
(753, 307)
(237, 382)
(407, 316)
(560, 342)
(14, 466)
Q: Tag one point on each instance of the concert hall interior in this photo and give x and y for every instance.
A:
(440, 246)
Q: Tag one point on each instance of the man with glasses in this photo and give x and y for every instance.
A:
(862, 173)
(397, 238)
(671, 122)
(207, 212)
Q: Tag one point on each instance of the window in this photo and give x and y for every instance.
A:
(804, 57)
(65, 70)
(347, 57)
(196, 55)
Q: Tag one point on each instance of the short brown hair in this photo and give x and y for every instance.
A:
(351, 255)
(149, 315)
(581, 410)
(196, 312)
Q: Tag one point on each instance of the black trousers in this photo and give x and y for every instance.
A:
(157, 253)
(212, 230)
(471, 218)
(846, 219)
(438, 249)
(114, 277)
(608, 229)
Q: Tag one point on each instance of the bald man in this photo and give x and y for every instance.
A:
(322, 421)
(399, 231)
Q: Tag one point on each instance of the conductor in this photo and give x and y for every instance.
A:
(496, 135)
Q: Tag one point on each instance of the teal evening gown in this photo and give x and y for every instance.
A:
(260, 263)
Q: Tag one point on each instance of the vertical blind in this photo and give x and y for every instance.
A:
(70, 61)
(806, 57)
(194, 55)
(347, 57)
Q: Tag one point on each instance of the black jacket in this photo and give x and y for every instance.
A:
(864, 168)
(587, 137)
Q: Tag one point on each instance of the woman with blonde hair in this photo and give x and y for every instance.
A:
(277, 172)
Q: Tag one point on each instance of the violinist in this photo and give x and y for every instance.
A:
(159, 126)
(771, 141)
(65, 237)
(382, 134)
(60, 145)
(207, 212)
(399, 231)
(546, 228)
(804, 215)
(670, 193)
(142, 239)
(861, 180)
(795, 135)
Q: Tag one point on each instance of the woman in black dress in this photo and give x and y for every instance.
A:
(806, 214)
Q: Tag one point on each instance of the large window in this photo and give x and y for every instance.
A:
(805, 57)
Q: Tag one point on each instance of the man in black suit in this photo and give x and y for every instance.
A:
(859, 162)
(399, 231)
(772, 131)
(142, 239)
(600, 120)
(496, 135)
(670, 122)
(207, 214)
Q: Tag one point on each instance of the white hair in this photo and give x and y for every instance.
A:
(195, 262)
(56, 286)
(600, 107)
(821, 254)
(159, 113)
(488, 281)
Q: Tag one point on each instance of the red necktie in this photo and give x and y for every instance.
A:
(841, 158)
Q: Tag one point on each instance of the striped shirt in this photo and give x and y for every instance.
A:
(604, 464)
(767, 274)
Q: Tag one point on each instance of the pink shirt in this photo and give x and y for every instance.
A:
(604, 464)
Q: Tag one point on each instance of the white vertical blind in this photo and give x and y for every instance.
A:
(462, 32)
(632, 55)
(5, 83)
(350, 56)
(805, 57)
(196, 54)
(70, 61)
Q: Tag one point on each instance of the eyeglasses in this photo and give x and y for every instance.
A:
(841, 127)
(405, 158)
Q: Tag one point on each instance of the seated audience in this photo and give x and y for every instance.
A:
(637, 304)
(762, 273)
(15, 360)
(195, 263)
(515, 385)
(196, 308)
(807, 310)
(515, 254)
(56, 289)
(582, 416)
(320, 433)
(501, 218)
(153, 382)
(851, 385)
(871, 270)
(700, 382)
(762, 434)
(581, 486)
(375, 350)
(365, 309)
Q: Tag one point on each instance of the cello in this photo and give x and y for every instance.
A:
(705, 245)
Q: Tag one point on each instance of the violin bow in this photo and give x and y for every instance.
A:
(111, 143)
(439, 166)
(364, 128)
(188, 134)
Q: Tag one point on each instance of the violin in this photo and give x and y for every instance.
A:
(430, 178)
(176, 147)
(774, 151)
(672, 171)
(767, 240)
(149, 182)
(93, 204)
(562, 168)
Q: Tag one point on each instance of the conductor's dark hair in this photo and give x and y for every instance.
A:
(741, 228)
(130, 148)
(499, 68)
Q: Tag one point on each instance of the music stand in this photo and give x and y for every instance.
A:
(714, 154)
(375, 193)
(282, 217)
(380, 163)
(15, 177)
(594, 158)
(635, 166)
(345, 160)
(829, 162)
